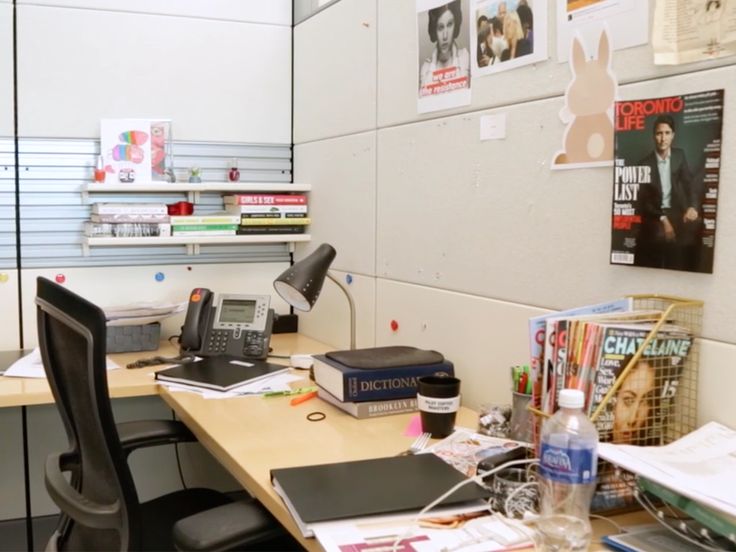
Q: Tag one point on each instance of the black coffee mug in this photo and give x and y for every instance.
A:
(438, 399)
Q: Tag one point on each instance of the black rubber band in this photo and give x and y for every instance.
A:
(316, 416)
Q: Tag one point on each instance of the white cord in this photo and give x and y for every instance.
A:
(477, 478)
(667, 526)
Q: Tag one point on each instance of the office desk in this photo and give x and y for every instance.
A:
(250, 435)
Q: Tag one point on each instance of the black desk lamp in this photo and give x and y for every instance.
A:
(300, 284)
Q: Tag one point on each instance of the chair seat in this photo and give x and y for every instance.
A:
(244, 523)
(160, 514)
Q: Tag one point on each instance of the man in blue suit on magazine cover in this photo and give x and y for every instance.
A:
(668, 205)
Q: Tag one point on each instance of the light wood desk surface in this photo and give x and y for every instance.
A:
(251, 435)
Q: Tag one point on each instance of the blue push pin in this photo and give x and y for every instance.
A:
(349, 278)
(160, 277)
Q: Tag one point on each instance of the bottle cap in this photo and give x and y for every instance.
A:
(571, 398)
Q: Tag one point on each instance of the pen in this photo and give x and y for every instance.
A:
(302, 398)
(522, 382)
(297, 391)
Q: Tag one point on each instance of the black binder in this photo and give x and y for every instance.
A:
(221, 373)
(328, 492)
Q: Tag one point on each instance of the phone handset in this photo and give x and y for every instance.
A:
(196, 319)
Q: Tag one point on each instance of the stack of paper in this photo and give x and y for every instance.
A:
(135, 314)
(700, 466)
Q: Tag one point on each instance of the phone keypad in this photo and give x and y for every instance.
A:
(218, 341)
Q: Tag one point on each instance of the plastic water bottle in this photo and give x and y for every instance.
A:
(568, 466)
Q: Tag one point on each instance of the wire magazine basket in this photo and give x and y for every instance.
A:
(652, 400)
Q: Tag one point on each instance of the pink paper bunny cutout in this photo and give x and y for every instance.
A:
(588, 108)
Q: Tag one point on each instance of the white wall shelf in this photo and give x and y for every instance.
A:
(193, 242)
(193, 189)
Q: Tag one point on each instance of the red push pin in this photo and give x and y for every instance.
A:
(60, 278)
(394, 326)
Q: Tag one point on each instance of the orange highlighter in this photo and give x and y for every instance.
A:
(302, 398)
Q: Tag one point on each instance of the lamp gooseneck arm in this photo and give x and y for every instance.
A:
(347, 293)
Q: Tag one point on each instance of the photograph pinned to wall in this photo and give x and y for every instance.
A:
(444, 59)
(125, 146)
(507, 34)
(686, 31)
(588, 109)
(656, 223)
(627, 22)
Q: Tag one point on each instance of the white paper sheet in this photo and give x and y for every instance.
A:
(277, 382)
(700, 466)
(31, 366)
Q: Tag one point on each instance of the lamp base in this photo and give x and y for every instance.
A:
(285, 323)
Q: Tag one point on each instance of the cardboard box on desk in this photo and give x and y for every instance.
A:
(130, 339)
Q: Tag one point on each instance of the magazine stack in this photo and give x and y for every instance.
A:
(635, 359)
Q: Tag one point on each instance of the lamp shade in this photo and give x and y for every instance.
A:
(300, 284)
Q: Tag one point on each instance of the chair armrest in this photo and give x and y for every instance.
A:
(149, 433)
(237, 524)
(73, 504)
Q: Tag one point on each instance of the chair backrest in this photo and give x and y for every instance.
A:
(100, 508)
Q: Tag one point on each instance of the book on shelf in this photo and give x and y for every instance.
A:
(343, 490)
(244, 216)
(370, 409)
(275, 221)
(215, 218)
(237, 209)
(130, 208)
(272, 229)
(126, 229)
(179, 228)
(265, 199)
(201, 233)
(377, 373)
(221, 372)
(129, 217)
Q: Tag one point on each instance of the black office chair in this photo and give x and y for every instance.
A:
(99, 505)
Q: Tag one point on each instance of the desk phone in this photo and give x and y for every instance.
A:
(234, 324)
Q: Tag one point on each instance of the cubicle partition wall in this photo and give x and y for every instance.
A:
(221, 72)
(466, 239)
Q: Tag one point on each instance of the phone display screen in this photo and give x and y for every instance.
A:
(237, 311)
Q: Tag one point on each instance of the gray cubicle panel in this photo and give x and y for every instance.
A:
(274, 12)
(217, 79)
(334, 71)
(6, 68)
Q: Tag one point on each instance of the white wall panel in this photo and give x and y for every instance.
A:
(253, 11)
(218, 80)
(398, 68)
(6, 68)
(490, 218)
(108, 286)
(716, 382)
(335, 71)
(329, 320)
(10, 336)
(342, 204)
(482, 337)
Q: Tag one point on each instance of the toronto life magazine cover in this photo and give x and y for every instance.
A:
(666, 176)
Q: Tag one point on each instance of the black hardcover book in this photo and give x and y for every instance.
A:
(327, 492)
(221, 373)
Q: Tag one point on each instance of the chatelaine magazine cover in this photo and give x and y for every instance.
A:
(667, 155)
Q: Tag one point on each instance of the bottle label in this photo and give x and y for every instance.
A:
(566, 465)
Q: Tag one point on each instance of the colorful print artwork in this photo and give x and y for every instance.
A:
(128, 144)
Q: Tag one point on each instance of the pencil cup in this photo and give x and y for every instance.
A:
(438, 399)
(521, 418)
